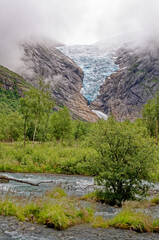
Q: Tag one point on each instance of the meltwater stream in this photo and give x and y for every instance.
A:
(73, 185)
(96, 63)
(77, 186)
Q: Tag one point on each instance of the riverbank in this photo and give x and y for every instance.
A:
(10, 228)
(75, 187)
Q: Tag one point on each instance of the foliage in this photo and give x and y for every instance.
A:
(48, 157)
(60, 124)
(9, 101)
(81, 129)
(126, 158)
(36, 106)
(11, 130)
(150, 115)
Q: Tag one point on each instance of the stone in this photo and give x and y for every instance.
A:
(4, 180)
(63, 74)
(137, 81)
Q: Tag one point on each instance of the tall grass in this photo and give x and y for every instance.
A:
(57, 212)
(48, 157)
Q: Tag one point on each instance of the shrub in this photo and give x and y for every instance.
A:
(125, 159)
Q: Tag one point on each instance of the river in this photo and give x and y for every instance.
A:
(77, 186)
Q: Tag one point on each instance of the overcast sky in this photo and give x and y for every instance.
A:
(74, 21)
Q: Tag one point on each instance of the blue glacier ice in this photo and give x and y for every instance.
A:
(96, 63)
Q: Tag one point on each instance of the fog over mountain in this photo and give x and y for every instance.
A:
(73, 22)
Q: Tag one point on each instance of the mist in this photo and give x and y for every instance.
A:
(73, 22)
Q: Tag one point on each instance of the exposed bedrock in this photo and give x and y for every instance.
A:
(125, 91)
(64, 75)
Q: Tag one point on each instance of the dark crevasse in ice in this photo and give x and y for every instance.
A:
(96, 63)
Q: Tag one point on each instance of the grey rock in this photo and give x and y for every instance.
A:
(80, 232)
(64, 76)
(11, 81)
(4, 179)
(125, 92)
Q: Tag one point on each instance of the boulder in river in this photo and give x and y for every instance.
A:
(4, 179)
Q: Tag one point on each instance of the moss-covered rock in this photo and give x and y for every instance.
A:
(4, 179)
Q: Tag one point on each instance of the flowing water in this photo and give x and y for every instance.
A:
(77, 186)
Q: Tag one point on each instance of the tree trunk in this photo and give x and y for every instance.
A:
(156, 130)
(25, 132)
(36, 121)
(4, 179)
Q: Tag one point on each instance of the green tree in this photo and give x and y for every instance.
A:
(60, 124)
(11, 126)
(36, 105)
(150, 115)
(81, 129)
(126, 158)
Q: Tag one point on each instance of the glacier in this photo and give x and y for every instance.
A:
(96, 63)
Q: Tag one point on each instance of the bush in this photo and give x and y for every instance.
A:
(126, 158)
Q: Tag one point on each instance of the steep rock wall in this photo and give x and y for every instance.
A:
(125, 92)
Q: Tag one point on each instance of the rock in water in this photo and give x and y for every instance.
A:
(4, 179)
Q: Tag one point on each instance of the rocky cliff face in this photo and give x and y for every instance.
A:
(12, 81)
(124, 92)
(64, 75)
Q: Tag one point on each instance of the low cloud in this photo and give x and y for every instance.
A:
(73, 22)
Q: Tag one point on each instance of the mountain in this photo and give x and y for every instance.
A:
(64, 75)
(119, 76)
(11, 81)
(91, 80)
(12, 86)
(126, 91)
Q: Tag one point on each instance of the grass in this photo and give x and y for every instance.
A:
(130, 220)
(155, 200)
(49, 157)
(91, 196)
(131, 216)
(57, 212)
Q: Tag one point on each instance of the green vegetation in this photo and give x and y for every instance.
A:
(9, 102)
(36, 108)
(155, 200)
(156, 80)
(128, 219)
(54, 157)
(55, 210)
(120, 155)
(131, 217)
(151, 116)
(10, 85)
(125, 157)
(60, 124)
